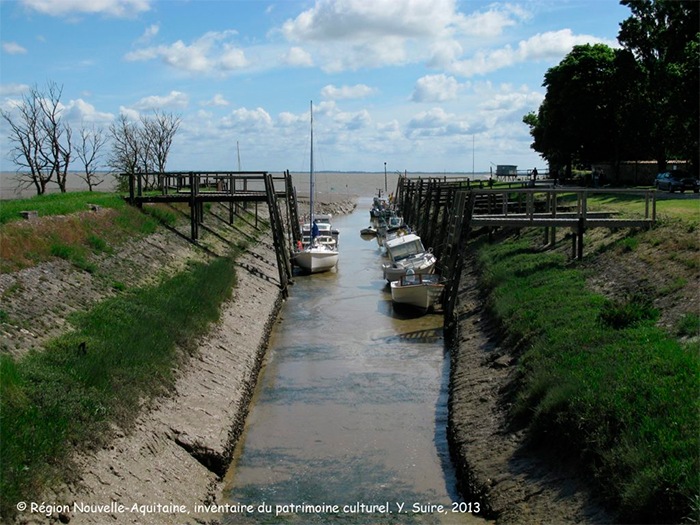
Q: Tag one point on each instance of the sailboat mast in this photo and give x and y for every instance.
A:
(311, 176)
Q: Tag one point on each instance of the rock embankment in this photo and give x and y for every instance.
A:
(494, 465)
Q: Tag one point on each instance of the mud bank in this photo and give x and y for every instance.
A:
(513, 480)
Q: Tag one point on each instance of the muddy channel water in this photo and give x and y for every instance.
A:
(350, 407)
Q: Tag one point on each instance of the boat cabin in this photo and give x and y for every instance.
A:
(403, 247)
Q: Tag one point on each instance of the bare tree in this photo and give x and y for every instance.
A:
(164, 126)
(143, 147)
(124, 158)
(89, 151)
(28, 139)
(57, 134)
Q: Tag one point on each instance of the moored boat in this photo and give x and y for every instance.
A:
(316, 252)
(418, 290)
(407, 253)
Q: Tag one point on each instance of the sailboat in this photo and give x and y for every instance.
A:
(315, 257)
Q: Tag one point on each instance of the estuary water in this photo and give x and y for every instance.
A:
(350, 412)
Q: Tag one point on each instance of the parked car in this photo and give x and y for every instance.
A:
(677, 180)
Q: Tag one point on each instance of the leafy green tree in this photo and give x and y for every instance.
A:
(664, 36)
(576, 122)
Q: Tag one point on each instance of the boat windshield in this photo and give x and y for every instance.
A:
(405, 250)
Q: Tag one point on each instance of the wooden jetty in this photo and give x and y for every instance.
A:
(444, 210)
(235, 188)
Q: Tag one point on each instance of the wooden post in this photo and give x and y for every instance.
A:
(193, 210)
(553, 241)
(230, 204)
(131, 188)
(653, 206)
(581, 229)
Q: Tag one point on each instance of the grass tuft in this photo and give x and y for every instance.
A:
(633, 310)
(688, 326)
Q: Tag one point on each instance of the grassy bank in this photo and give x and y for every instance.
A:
(64, 233)
(58, 204)
(601, 379)
(120, 353)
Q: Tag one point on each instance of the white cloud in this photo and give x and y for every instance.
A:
(352, 34)
(8, 90)
(357, 91)
(436, 88)
(248, 120)
(359, 20)
(218, 100)
(552, 44)
(80, 111)
(129, 113)
(148, 34)
(118, 8)
(287, 119)
(491, 23)
(209, 53)
(443, 53)
(437, 122)
(353, 121)
(13, 48)
(175, 99)
(297, 57)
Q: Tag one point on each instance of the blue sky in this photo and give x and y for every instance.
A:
(410, 83)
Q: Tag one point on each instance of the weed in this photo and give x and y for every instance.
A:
(633, 310)
(629, 244)
(161, 214)
(118, 286)
(688, 325)
(4, 316)
(98, 244)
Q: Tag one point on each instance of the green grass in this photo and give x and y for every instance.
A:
(58, 204)
(688, 325)
(668, 207)
(121, 352)
(601, 381)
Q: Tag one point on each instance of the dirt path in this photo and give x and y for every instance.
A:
(514, 482)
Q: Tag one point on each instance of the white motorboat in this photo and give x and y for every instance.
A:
(419, 290)
(318, 251)
(407, 253)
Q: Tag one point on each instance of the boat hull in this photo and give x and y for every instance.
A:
(420, 296)
(316, 262)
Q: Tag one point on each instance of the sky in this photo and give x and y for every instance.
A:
(418, 84)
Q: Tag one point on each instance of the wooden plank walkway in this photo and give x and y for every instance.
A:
(234, 188)
(443, 211)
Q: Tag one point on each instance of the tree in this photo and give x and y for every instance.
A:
(41, 138)
(124, 158)
(576, 121)
(57, 148)
(143, 147)
(89, 151)
(664, 36)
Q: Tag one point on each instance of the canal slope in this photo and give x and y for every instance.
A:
(491, 455)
